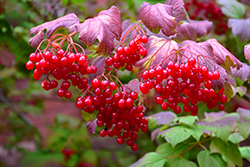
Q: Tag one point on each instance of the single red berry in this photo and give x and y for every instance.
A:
(134, 147)
(120, 140)
(103, 133)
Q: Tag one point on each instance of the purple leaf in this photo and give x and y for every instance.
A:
(91, 126)
(244, 114)
(69, 22)
(186, 31)
(105, 27)
(247, 52)
(240, 28)
(243, 72)
(147, 99)
(126, 25)
(163, 118)
(178, 6)
(158, 16)
(202, 27)
(158, 49)
(220, 123)
(154, 133)
(220, 53)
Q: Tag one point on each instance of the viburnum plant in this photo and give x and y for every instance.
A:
(172, 70)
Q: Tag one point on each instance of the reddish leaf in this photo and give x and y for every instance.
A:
(158, 16)
(240, 28)
(243, 72)
(220, 53)
(202, 27)
(147, 99)
(105, 27)
(178, 6)
(126, 25)
(158, 49)
(68, 22)
(91, 126)
(247, 52)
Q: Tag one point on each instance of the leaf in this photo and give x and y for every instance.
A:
(243, 72)
(183, 163)
(170, 153)
(247, 52)
(206, 159)
(245, 152)
(235, 138)
(127, 25)
(147, 99)
(87, 116)
(151, 159)
(100, 63)
(189, 120)
(158, 49)
(158, 16)
(230, 151)
(244, 114)
(220, 123)
(244, 129)
(69, 22)
(240, 28)
(91, 126)
(220, 53)
(202, 28)
(178, 6)
(163, 118)
(232, 8)
(105, 27)
(179, 133)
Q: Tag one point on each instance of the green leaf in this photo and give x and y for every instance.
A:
(151, 159)
(183, 163)
(230, 151)
(235, 138)
(167, 152)
(244, 129)
(189, 120)
(89, 117)
(39, 158)
(177, 134)
(232, 8)
(245, 152)
(205, 159)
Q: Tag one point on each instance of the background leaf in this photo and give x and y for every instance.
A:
(247, 52)
(240, 28)
(183, 163)
(206, 159)
(245, 152)
(232, 8)
(150, 159)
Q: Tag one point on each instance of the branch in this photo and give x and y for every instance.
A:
(246, 97)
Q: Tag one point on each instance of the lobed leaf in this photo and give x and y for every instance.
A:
(247, 52)
(243, 72)
(244, 129)
(177, 134)
(158, 16)
(232, 8)
(69, 22)
(240, 28)
(150, 159)
(100, 63)
(126, 26)
(206, 159)
(235, 138)
(244, 114)
(163, 118)
(230, 151)
(178, 11)
(158, 50)
(147, 99)
(183, 163)
(189, 120)
(105, 27)
(219, 123)
(170, 153)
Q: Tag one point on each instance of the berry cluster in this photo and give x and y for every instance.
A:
(63, 66)
(210, 11)
(117, 111)
(130, 54)
(186, 83)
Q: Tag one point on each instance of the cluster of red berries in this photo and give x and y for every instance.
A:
(67, 153)
(130, 54)
(186, 83)
(208, 10)
(116, 111)
(63, 66)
